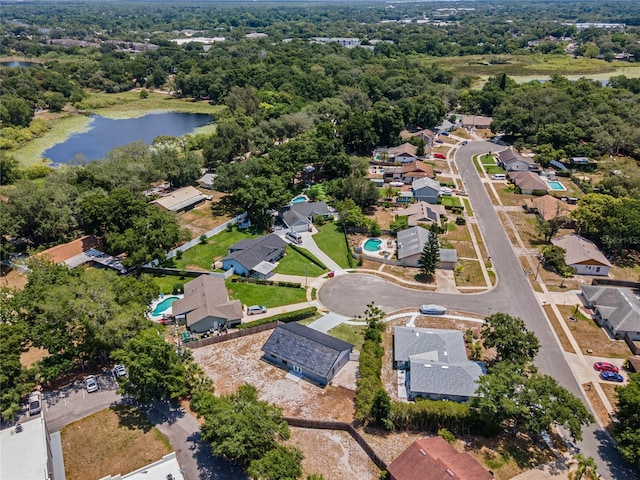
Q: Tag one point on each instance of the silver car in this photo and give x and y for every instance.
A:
(91, 384)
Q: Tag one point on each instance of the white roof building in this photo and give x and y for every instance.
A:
(25, 451)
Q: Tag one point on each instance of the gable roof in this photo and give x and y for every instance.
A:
(416, 168)
(406, 149)
(434, 345)
(619, 306)
(528, 181)
(251, 251)
(425, 182)
(411, 241)
(549, 207)
(476, 121)
(580, 250)
(66, 251)
(310, 349)
(180, 199)
(441, 460)
(206, 296)
(421, 212)
(303, 212)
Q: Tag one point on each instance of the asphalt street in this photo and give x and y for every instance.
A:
(349, 295)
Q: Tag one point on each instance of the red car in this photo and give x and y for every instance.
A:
(606, 367)
(440, 155)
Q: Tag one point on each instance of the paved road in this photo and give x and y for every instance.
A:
(348, 295)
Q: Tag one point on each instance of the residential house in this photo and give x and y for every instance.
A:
(342, 41)
(255, 257)
(550, 208)
(408, 172)
(182, 199)
(25, 451)
(445, 126)
(207, 180)
(528, 182)
(437, 363)
(435, 459)
(206, 305)
(167, 468)
(426, 190)
(423, 213)
(426, 135)
(406, 152)
(313, 354)
(82, 251)
(513, 161)
(583, 255)
(411, 242)
(616, 309)
(298, 217)
(476, 121)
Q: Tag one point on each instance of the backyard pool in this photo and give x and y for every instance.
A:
(300, 199)
(555, 185)
(163, 306)
(372, 245)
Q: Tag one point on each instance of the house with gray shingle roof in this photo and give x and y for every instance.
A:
(616, 309)
(437, 363)
(255, 256)
(298, 217)
(411, 242)
(426, 190)
(315, 355)
(583, 255)
(513, 161)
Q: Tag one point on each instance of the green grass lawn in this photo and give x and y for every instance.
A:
(350, 333)
(467, 206)
(267, 295)
(331, 241)
(166, 282)
(493, 169)
(203, 255)
(294, 263)
(476, 162)
(487, 160)
(450, 201)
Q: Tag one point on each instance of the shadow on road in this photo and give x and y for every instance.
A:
(618, 467)
(210, 466)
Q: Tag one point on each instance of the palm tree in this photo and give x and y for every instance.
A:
(586, 468)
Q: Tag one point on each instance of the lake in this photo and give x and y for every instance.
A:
(105, 134)
(14, 63)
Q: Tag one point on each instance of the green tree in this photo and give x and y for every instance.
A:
(586, 468)
(381, 409)
(510, 337)
(430, 257)
(8, 169)
(554, 257)
(280, 463)
(627, 425)
(155, 371)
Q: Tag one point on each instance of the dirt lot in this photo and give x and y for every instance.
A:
(238, 361)
(13, 279)
(341, 456)
(201, 219)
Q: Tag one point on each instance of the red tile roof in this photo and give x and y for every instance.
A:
(438, 458)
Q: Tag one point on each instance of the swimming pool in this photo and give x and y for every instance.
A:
(555, 185)
(163, 306)
(300, 199)
(372, 245)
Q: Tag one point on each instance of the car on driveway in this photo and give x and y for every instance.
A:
(119, 371)
(91, 384)
(432, 310)
(606, 367)
(35, 403)
(441, 156)
(256, 309)
(611, 376)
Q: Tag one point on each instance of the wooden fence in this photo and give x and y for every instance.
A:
(345, 427)
(230, 336)
(615, 283)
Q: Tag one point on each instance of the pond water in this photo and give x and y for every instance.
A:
(106, 133)
(14, 63)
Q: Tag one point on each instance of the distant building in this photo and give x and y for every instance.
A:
(342, 41)
(476, 121)
(182, 199)
(83, 251)
(207, 181)
(513, 161)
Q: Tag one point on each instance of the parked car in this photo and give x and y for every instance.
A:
(440, 156)
(256, 309)
(294, 237)
(35, 403)
(611, 376)
(432, 310)
(119, 370)
(91, 384)
(465, 142)
(446, 134)
(606, 367)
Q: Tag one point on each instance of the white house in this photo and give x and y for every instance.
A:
(583, 255)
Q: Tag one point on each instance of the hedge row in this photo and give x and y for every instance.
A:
(369, 382)
(282, 317)
(260, 281)
(306, 254)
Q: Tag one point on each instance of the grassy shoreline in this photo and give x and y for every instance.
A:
(115, 106)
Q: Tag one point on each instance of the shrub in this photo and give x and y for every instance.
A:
(177, 288)
(203, 239)
(179, 254)
(306, 254)
(446, 435)
(283, 317)
(460, 220)
(260, 281)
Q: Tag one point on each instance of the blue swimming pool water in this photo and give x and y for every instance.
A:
(299, 199)
(553, 185)
(163, 305)
(372, 245)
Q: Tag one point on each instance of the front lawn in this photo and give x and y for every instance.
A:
(294, 263)
(117, 440)
(349, 333)
(203, 255)
(330, 239)
(267, 295)
(450, 201)
(494, 169)
(487, 159)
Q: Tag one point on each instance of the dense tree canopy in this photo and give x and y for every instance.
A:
(627, 425)
(511, 339)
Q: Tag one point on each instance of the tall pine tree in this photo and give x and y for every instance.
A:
(430, 257)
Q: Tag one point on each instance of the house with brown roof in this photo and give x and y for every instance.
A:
(406, 152)
(83, 251)
(434, 459)
(583, 255)
(476, 121)
(408, 172)
(422, 213)
(550, 208)
(528, 182)
(206, 305)
(182, 199)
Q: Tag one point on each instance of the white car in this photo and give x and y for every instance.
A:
(35, 403)
(91, 384)
(256, 309)
(432, 310)
(119, 371)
